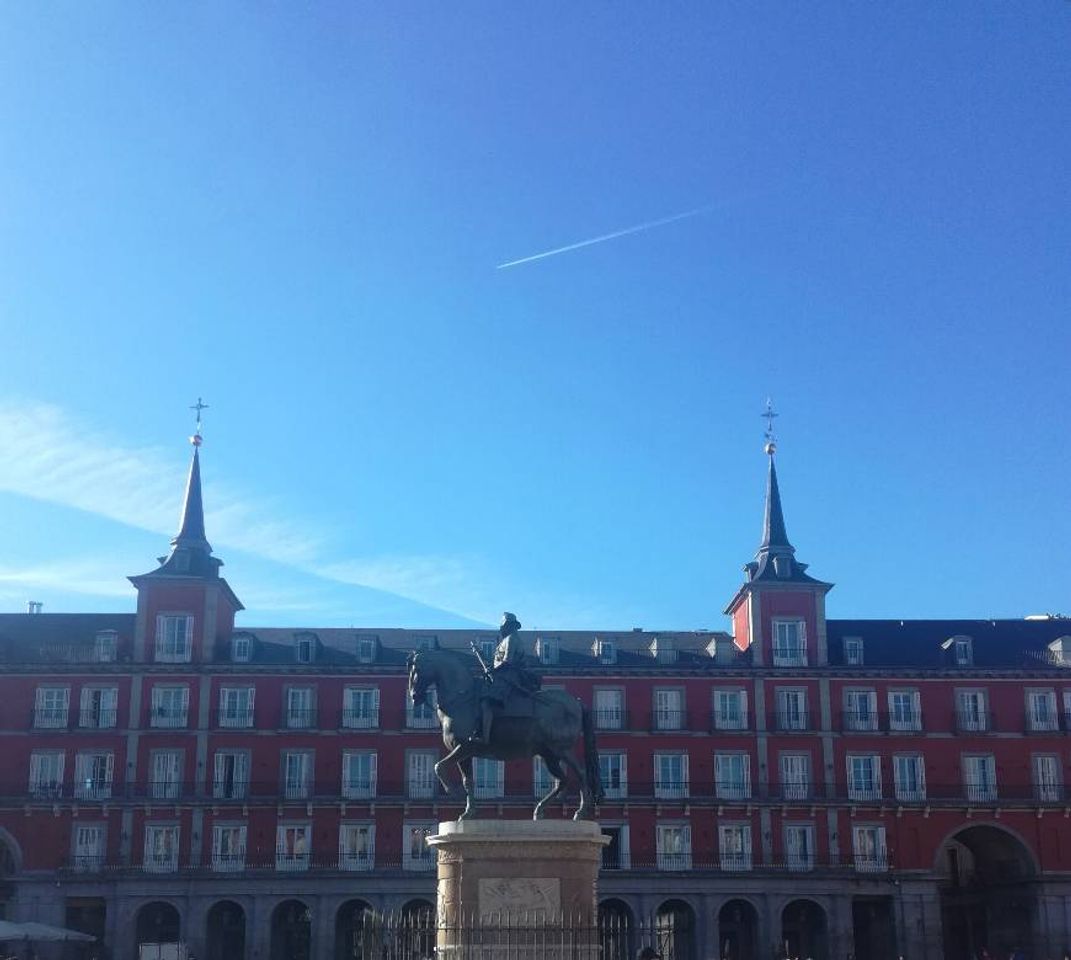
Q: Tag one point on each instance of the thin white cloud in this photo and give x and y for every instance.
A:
(87, 576)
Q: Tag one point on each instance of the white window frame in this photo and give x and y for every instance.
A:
(786, 653)
(46, 774)
(167, 647)
(799, 857)
(87, 784)
(613, 771)
(913, 721)
(1045, 768)
(420, 778)
(979, 777)
(541, 778)
(673, 846)
(488, 778)
(861, 709)
(239, 784)
(305, 650)
(424, 717)
(609, 716)
(89, 846)
(974, 719)
(666, 715)
(668, 787)
(296, 768)
(300, 717)
(909, 777)
(231, 836)
(236, 707)
(106, 646)
(105, 713)
(417, 857)
(853, 651)
(293, 845)
(796, 718)
(793, 787)
(162, 712)
(161, 852)
(606, 652)
(963, 651)
(548, 650)
(241, 648)
(356, 845)
(354, 708)
(357, 784)
(727, 717)
(866, 788)
(869, 849)
(727, 785)
(624, 852)
(165, 774)
(1041, 710)
(366, 648)
(734, 846)
(52, 706)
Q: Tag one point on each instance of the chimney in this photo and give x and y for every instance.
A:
(34, 606)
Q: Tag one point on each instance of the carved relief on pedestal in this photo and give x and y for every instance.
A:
(534, 897)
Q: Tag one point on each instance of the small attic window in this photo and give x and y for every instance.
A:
(487, 646)
(1060, 651)
(782, 567)
(547, 649)
(425, 641)
(105, 644)
(305, 648)
(366, 648)
(853, 651)
(606, 651)
(241, 648)
(664, 651)
(962, 650)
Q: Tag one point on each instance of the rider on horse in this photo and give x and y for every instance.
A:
(510, 675)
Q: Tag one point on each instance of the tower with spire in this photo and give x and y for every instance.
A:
(779, 607)
(184, 604)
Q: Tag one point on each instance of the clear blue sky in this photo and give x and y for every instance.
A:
(297, 210)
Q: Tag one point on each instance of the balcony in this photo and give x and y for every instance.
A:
(859, 721)
(610, 719)
(973, 721)
(236, 718)
(421, 721)
(50, 718)
(732, 790)
(299, 720)
(97, 719)
(359, 719)
(791, 721)
(662, 720)
(165, 720)
(905, 721)
(871, 864)
(721, 722)
(671, 789)
(792, 791)
(291, 861)
(1045, 723)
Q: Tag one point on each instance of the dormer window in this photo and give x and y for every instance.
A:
(606, 651)
(105, 644)
(486, 646)
(174, 635)
(547, 648)
(664, 651)
(425, 641)
(853, 651)
(1060, 651)
(241, 648)
(366, 648)
(305, 649)
(782, 567)
(789, 643)
(963, 651)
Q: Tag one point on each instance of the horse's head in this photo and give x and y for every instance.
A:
(419, 681)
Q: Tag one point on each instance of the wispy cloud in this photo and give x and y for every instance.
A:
(602, 238)
(89, 576)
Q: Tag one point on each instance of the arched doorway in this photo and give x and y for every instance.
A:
(353, 930)
(675, 930)
(616, 930)
(416, 934)
(158, 922)
(291, 931)
(225, 931)
(738, 925)
(803, 930)
(987, 893)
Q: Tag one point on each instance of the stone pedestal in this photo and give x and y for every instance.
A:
(518, 888)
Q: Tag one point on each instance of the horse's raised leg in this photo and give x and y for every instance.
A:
(452, 755)
(464, 764)
(554, 768)
(586, 810)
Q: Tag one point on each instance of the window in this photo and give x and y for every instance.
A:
(734, 846)
(853, 651)
(613, 772)
(905, 712)
(488, 776)
(673, 846)
(300, 713)
(1047, 779)
(609, 709)
(366, 649)
(173, 635)
(547, 649)
(46, 774)
(231, 780)
(356, 846)
(671, 775)
(963, 650)
(228, 846)
(868, 847)
(98, 707)
(799, 846)
(416, 854)
(420, 774)
(88, 846)
(105, 646)
(860, 710)
(241, 648)
(165, 777)
(236, 706)
(50, 707)
(980, 778)
(790, 643)
(732, 776)
(93, 776)
(161, 848)
(795, 776)
(360, 708)
(170, 706)
(541, 782)
(358, 774)
(669, 708)
(909, 777)
(486, 646)
(305, 649)
(864, 777)
(1041, 710)
(616, 854)
(971, 715)
(293, 844)
(791, 709)
(730, 709)
(297, 774)
(425, 716)
(606, 651)
(663, 650)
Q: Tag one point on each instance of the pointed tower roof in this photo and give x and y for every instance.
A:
(774, 536)
(192, 524)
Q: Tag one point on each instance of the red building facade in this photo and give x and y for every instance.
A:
(802, 787)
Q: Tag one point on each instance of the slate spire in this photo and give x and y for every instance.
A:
(191, 532)
(774, 537)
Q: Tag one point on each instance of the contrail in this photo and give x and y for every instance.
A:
(649, 225)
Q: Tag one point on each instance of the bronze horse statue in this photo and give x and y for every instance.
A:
(550, 732)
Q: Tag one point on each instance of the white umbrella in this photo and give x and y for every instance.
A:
(11, 931)
(42, 932)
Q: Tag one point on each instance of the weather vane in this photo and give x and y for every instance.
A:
(768, 416)
(198, 407)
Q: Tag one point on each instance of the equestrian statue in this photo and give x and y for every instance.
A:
(500, 712)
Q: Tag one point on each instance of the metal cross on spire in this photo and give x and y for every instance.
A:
(768, 416)
(197, 407)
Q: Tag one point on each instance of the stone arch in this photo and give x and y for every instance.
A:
(416, 928)
(805, 929)
(353, 931)
(157, 921)
(225, 931)
(617, 930)
(988, 837)
(675, 930)
(738, 930)
(291, 931)
(10, 854)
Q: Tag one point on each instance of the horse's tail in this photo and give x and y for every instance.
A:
(591, 758)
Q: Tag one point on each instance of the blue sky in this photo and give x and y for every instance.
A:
(297, 210)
